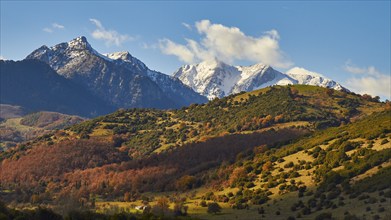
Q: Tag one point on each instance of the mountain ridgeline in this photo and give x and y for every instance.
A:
(119, 79)
(214, 78)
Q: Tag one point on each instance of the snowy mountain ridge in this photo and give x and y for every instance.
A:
(118, 78)
(215, 78)
(307, 77)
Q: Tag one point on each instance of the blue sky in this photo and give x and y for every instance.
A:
(346, 41)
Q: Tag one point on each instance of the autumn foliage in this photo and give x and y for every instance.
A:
(96, 166)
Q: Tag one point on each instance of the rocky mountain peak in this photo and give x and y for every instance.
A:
(79, 43)
(126, 58)
(117, 78)
(122, 55)
(213, 63)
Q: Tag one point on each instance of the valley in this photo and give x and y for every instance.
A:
(17, 126)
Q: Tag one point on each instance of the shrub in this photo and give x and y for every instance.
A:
(289, 165)
(381, 209)
(372, 200)
(185, 182)
(306, 211)
(250, 185)
(261, 210)
(294, 174)
(324, 216)
(385, 141)
(213, 207)
(351, 217)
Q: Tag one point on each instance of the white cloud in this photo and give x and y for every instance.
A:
(351, 68)
(187, 26)
(147, 46)
(109, 36)
(228, 44)
(48, 30)
(375, 86)
(2, 58)
(58, 26)
(53, 27)
(171, 48)
(371, 81)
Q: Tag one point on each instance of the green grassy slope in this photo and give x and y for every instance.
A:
(343, 171)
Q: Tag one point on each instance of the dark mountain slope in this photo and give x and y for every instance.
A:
(35, 86)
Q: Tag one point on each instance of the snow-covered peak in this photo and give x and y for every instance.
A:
(303, 72)
(127, 59)
(209, 67)
(212, 64)
(214, 78)
(211, 78)
(250, 71)
(66, 57)
(307, 77)
(71, 55)
(79, 43)
(122, 55)
(42, 50)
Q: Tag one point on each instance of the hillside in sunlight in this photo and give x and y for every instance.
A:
(20, 128)
(280, 152)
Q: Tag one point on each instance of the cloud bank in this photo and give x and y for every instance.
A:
(370, 81)
(228, 44)
(351, 68)
(111, 37)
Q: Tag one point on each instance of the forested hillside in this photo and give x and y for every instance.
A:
(279, 152)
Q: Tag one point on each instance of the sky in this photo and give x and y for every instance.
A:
(347, 41)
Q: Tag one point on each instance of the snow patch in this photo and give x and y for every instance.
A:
(298, 71)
